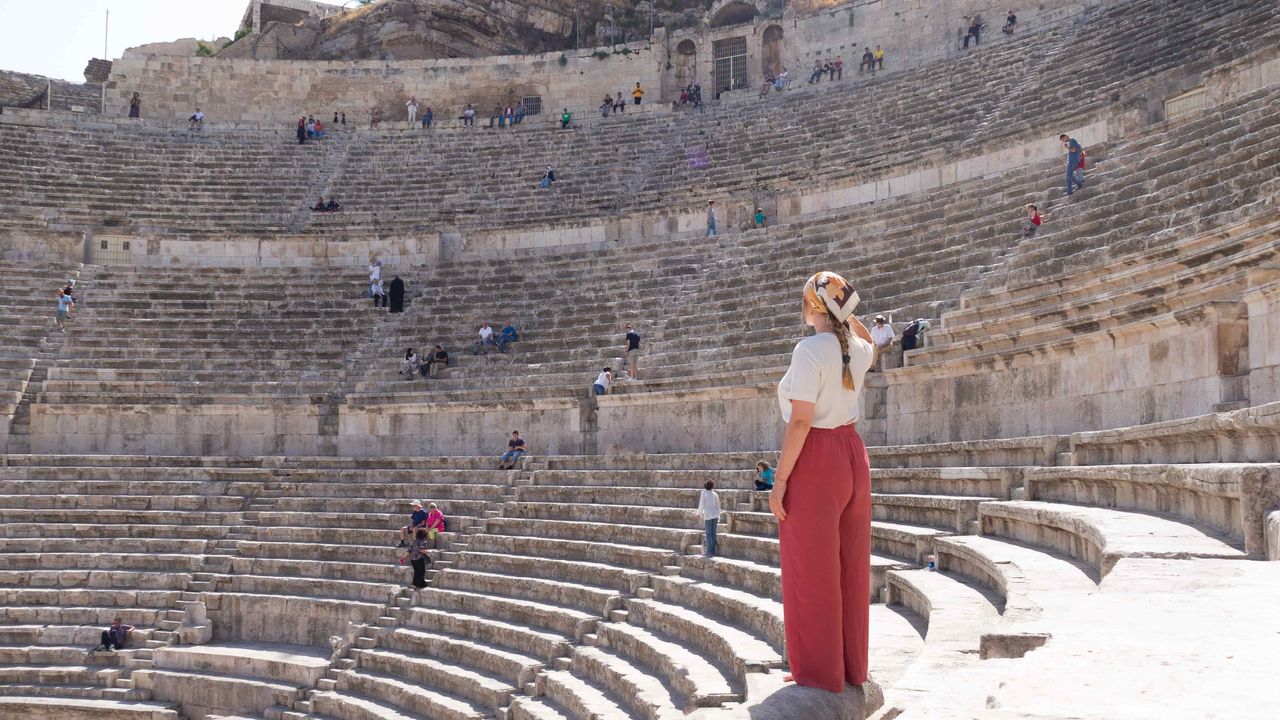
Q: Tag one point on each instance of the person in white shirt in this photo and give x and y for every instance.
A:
(709, 511)
(882, 337)
(411, 107)
(483, 340)
(375, 271)
(196, 121)
(822, 493)
(603, 380)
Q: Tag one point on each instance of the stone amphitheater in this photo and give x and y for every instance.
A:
(219, 449)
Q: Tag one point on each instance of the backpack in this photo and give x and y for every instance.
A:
(1082, 158)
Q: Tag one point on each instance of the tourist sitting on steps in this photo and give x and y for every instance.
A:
(1032, 223)
(411, 365)
(548, 177)
(764, 476)
(417, 521)
(516, 449)
(603, 381)
(332, 205)
(435, 524)
(484, 340)
(882, 338)
(115, 637)
(509, 334)
(566, 118)
(619, 104)
(196, 121)
(377, 293)
(418, 558)
(436, 362)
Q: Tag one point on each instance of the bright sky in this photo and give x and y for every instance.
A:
(57, 37)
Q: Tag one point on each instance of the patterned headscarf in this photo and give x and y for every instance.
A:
(828, 291)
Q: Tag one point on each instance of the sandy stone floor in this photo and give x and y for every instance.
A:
(1164, 639)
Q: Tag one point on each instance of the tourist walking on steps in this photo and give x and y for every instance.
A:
(1075, 162)
(631, 354)
(882, 338)
(66, 304)
(302, 130)
(516, 449)
(822, 493)
(603, 381)
(1032, 223)
(709, 512)
(135, 106)
(711, 218)
(418, 557)
(417, 521)
(764, 476)
(115, 637)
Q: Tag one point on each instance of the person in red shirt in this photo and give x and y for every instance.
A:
(1032, 223)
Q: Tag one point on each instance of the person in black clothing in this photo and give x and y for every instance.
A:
(302, 130)
(1009, 23)
(435, 361)
(332, 205)
(868, 63)
(396, 295)
(975, 32)
(911, 334)
(320, 206)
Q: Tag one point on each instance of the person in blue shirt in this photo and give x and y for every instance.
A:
(65, 305)
(764, 476)
(1075, 158)
(509, 334)
(417, 520)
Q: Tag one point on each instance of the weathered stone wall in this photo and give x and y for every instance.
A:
(262, 91)
(23, 90)
(550, 426)
(1173, 366)
(1264, 340)
(911, 32)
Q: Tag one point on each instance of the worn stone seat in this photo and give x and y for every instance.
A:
(1101, 536)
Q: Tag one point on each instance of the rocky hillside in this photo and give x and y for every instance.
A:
(422, 29)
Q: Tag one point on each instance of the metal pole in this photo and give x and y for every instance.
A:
(577, 27)
(106, 33)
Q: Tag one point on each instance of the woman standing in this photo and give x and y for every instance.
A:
(135, 106)
(822, 493)
(419, 558)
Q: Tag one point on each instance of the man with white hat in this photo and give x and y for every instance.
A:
(417, 520)
(882, 337)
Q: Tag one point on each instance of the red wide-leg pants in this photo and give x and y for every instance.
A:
(826, 560)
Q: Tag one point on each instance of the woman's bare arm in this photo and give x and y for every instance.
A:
(792, 442)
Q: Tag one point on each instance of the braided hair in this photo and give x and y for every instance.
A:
(841, 329)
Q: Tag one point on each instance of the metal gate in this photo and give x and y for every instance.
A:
(110, 250)
(731, 63)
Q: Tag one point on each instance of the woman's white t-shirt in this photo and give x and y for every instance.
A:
(815, 376)
(603, 380)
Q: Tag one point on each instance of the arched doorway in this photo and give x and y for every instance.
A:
(771, 56)
(734, 12)
(686, 63)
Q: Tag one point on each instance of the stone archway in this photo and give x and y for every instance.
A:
(771, 55)
(733, 12)
(686, 63)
